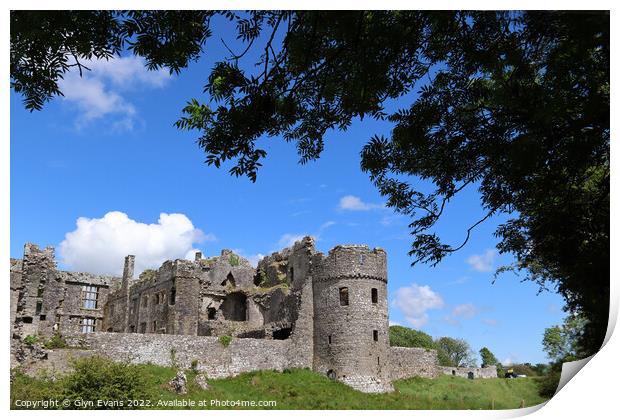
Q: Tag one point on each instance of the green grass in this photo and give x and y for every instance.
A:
(304, 389)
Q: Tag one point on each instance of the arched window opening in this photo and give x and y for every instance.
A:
(229, 281)
(344, 296)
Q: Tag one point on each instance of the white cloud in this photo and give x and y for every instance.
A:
(394, 323)
(483, 262)
(102, 91)
(326, 225)
(100, 245)
(289, 239)
(299, 213)
(390, 220)
(353, 203)
(490, 322)
(465, 310)
(127, 71)
(462, 311)
(460, 280)
(413, 301)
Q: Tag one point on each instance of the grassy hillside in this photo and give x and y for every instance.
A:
(292, 389)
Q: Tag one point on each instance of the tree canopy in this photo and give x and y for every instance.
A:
(513, 104)
(454, 352)
(561, 342)
(488, 358)
(407, 337)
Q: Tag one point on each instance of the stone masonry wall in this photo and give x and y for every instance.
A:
(405, 362)
(213, 358)
(351, 317)
(463, 372)
(16, 285)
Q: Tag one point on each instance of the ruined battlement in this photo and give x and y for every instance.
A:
(351, 261)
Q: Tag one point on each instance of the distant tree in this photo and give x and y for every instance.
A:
(514, 104)
(561, 342)
(538, 369)
(407, 337)
(454, 352)
(488, 358)
(541, 369)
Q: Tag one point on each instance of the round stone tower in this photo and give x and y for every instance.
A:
(351, 342)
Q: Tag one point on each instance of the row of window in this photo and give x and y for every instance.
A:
(344, 296)
(158, 299)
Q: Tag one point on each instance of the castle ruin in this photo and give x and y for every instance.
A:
(297, 308)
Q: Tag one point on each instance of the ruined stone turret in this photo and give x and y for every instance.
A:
(351, 317)
(37, 271)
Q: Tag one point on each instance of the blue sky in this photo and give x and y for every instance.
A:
(110, 146)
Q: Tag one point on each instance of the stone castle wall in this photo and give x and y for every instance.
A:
(466, 372)
(211, 356)
(407, 362)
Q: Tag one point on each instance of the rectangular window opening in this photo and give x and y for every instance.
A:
(375, 335)
(374, 295)
(90, 295)
(211, 313)
(344, 296)
(87, 325)
(329, 339)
